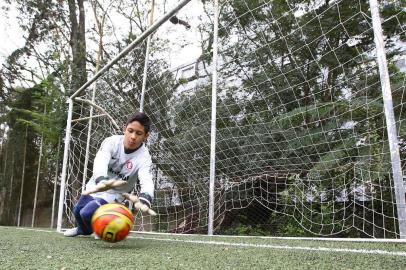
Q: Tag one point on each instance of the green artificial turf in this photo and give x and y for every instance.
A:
(34, 249)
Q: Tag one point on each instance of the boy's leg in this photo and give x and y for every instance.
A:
(87, 212)
(83, 201)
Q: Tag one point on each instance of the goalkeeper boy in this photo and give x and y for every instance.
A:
(121, 163)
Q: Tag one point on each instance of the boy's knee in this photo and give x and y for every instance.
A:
(86, 215)
(76, 210)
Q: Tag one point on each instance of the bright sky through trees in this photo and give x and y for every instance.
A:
(186, 43)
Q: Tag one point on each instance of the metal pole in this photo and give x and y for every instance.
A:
(11, 185)
(38, 172)
(144, 77)
(131, 46)
(22, 179)
(3, 179)
(55, 183)
(37, 182)
(64, 165)
(89, 134)
(5, 165)
(390, 118)
(89, 129)
(100, 109)
(213, 121)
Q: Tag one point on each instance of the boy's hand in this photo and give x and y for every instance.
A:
(105, 185)
(138, 204)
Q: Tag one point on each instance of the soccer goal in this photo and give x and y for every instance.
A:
(290, 120)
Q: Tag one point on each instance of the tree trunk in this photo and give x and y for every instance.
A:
(78, 45)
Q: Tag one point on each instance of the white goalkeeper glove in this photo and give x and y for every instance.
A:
(104, 185)
(140, 203)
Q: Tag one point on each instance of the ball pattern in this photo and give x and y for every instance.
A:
(112, 222)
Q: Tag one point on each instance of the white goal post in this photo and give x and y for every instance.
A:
(291, 122)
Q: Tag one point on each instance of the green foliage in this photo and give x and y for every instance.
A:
(275, 225)
(252, 230)
(36, 114)
(286, 226)
(47, 112)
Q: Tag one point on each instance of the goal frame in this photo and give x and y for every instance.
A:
(399, 188)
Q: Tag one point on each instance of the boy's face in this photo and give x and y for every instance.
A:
(134, 135)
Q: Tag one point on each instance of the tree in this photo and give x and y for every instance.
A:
(26, 124)
(77, 44)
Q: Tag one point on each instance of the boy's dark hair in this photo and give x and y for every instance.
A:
(140, 117)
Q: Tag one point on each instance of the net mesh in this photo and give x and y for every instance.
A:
(301, 132)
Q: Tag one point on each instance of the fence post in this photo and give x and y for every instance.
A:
(22, 179)
(38, 171)
(55, 183)
(10, 215)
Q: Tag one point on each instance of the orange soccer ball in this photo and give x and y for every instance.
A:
(112, 222)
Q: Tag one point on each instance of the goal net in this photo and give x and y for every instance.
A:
(302, 146)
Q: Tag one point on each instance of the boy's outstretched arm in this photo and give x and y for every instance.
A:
(138, 204)
(104, 185)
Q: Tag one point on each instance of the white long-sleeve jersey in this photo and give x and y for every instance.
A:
(112, 162)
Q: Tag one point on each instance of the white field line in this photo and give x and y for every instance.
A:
(360, 240)
(284, 247)
(32, 229)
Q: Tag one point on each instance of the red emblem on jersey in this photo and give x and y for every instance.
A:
(129, 164)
